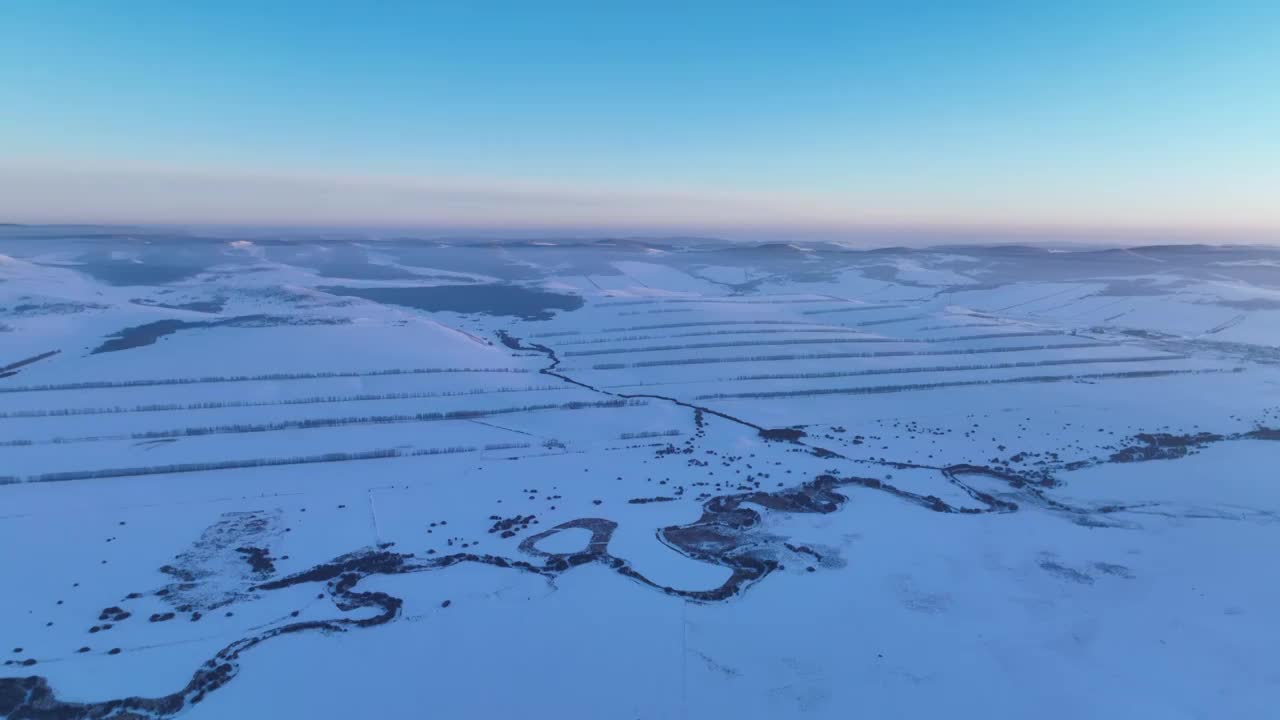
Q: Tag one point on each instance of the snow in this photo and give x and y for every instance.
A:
(986, 554)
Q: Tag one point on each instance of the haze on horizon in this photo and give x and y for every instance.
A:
(1150, 119)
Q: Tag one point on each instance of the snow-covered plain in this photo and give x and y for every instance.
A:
(264, 478)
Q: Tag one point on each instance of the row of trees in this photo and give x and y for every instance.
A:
(317, 423)
(735, 343)
(806, 330)
(803, 328)
(749, 301)
(853, 308)
(881, 389)
(704, 323)
(890, 321)
(27, 361)
(215, 405)
(657, 311)
(263, 462)
(955, 368)
(273, 377)
(648, 434)
(726, 301)
(834, 356)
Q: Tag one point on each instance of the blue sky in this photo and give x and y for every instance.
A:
(804, 116)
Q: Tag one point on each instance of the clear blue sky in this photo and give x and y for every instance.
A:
(689, 115)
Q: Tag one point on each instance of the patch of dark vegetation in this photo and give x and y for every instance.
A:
(782, 434)
(726, 533)
(212, 307)
(646, 501)
(803, 550)
(1026, 489)
(113, 614)
(1114, 569)
(147, 334)
(51, 308)
(500, 299)
(259, 559)
(596, 548)
(508, 527)
(1163, 446)
(1066, 573)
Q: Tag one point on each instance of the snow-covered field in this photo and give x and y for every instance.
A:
(264, 478)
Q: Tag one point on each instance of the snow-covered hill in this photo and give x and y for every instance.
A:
(300, 478)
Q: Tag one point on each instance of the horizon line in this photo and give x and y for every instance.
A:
(909, 235)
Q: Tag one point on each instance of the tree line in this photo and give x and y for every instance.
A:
(882, 389)
(214, 405)
(833, 356)
(955, 368)
(273, 377)
(262, 462)
(317, 423)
